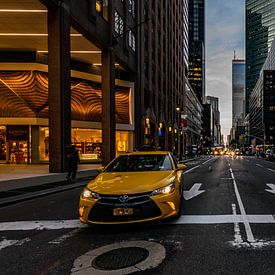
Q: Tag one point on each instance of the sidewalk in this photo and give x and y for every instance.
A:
(15, 176)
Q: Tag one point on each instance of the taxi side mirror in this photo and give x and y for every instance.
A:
(181, 166)
(100, 169)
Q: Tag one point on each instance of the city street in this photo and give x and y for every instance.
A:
(227, 227)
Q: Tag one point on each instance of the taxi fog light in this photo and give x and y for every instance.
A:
(172, 205)
(81, 211)
(164, 190)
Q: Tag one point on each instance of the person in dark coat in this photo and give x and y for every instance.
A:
(73, 160)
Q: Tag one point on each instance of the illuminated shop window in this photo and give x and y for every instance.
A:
(3, 146)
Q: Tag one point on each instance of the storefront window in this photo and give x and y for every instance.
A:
(3, 147)
(122, 142)
(88, 143)
(44, 143)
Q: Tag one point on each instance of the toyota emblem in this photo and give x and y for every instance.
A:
(123, 198)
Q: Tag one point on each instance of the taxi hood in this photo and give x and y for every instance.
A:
(130, 182)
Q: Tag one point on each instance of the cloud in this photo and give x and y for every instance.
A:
(224, 34)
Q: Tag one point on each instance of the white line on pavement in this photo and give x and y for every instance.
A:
(237, 235)
(208, 160)
(193, 168)
(259, 165)
(249, 234)
(271, 170)
(184, 219)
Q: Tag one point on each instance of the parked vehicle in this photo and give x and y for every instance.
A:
(270, 154)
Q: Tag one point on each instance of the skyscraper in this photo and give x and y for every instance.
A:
(260, 30)
(238, 98)
(196, 71)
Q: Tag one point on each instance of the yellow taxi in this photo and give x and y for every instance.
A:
(135, 187)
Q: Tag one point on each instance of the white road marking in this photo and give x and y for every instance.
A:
(157, 253)
(193, 192)
(6, 243)
(184, 219)
(272, 186)
(249, 234)
(271, 170)
(237, 236)
(207, 161)
(259, 165)
(63, 238)
(193, 168)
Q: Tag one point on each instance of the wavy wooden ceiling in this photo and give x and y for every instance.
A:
(25, 94)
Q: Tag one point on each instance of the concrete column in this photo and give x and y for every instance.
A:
(35, 144)
(108, 106)
(59, 87)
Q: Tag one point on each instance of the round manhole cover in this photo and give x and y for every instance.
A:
(120, 258)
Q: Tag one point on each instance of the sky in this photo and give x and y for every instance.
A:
(225, 33)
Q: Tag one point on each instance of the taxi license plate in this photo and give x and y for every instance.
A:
(123, 211)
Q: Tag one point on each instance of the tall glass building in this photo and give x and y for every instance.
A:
(196, 70)
(260, 30)
(238, 91)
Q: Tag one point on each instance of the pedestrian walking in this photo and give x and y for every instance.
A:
(73, 160)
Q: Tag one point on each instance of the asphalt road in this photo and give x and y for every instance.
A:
(227, 227)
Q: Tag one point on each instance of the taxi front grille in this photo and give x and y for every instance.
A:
(103, 212)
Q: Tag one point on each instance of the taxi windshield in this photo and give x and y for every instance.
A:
(136, 163)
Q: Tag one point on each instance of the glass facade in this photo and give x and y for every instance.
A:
(260, 30)
(196, 67)
(238, 91)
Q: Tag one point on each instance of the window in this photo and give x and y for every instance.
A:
(131, 6)
(132, 40)
(119, 25)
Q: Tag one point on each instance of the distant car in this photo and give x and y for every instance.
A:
(134, 187)
(270, 154)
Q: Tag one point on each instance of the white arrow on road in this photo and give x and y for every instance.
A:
(193, 192)
(272, 186)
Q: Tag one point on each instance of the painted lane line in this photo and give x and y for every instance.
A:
(6, 243)
(271, 170)
(184, 219)
(237, 236)
(259, 165)
(249, 234)
(63, 238)
(191, 169)
(272, 188)
(208, 161)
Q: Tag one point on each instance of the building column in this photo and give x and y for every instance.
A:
(108, 106)
(59, 87)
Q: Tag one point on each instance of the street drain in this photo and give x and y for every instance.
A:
(120, 258)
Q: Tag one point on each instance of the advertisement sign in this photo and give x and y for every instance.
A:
(17, 132)
(183, 122)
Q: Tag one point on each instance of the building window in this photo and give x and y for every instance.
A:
(131, 7)
(132, 40)
(119, 25)
(101, 7)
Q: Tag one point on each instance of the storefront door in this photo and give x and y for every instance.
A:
(18, 145)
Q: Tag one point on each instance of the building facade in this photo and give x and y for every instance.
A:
(196, 67)
(67, 76)
(216, 130)
(260, 30)
(238, 98)
(161, 68)
(262, 104)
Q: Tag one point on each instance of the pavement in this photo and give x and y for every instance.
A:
(18, 176)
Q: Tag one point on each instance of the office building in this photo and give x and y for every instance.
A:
(196, 68)
(260, 30)
(67, 77)
(262, 104)
(238, 98)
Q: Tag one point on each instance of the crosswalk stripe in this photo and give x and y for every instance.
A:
(185, 219)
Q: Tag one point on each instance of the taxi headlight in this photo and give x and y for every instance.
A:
(164, 190)
(88, 194)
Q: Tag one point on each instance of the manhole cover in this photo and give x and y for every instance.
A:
(120, 258)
